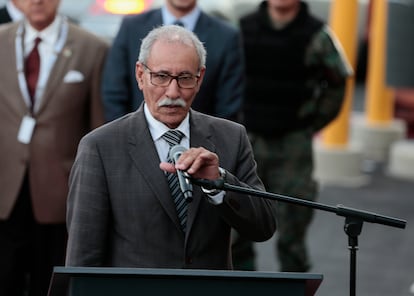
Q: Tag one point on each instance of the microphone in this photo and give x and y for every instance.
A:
(183, 178)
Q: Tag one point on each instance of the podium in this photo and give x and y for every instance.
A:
(103, 281)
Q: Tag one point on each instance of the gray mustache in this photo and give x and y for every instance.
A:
(170, 102)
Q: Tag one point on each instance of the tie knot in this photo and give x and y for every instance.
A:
(37, 41)
(173, 137)
(179, 23)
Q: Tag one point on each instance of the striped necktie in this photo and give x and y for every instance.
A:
(173, 137)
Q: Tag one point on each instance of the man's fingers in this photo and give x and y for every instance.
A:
(168, 167)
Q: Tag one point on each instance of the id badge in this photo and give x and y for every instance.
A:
(26, 129)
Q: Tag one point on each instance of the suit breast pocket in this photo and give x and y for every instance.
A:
(73, 76)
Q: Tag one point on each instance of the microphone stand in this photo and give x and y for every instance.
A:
(354, 218)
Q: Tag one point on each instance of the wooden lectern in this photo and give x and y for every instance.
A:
(90, 281)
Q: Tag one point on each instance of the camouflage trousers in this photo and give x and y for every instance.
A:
(285, 165)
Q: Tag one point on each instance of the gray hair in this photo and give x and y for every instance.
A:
(172, 33)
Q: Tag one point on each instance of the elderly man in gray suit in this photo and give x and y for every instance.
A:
(121, 210)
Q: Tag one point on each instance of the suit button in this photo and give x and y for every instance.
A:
(188, 260)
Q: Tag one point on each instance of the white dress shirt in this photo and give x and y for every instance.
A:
(189, 20)
(47, 50)
(157, 129)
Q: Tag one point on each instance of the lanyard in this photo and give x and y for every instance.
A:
(44, 75)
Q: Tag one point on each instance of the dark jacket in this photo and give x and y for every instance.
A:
(4, 16)
(276, 70)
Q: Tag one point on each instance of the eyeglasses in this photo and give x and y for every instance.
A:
(164, 79)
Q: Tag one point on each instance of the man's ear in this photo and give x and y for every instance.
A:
(200, 80)
(139, 73)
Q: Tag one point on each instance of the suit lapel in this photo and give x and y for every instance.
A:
(146, 163)
(59, 69)
(156, 20)
(200, 136)
(16, 99)
(201, 28)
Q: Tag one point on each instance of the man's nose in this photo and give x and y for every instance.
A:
(173, 90)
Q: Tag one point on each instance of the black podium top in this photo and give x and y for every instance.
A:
(79, 281)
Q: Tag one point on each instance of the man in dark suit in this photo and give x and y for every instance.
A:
(41, 123)
(11, 12)
(120, 208)
(222, 89)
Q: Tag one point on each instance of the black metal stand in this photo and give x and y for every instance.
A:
(352, 227)
(353, 218)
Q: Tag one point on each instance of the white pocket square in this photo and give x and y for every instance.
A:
(73, 76)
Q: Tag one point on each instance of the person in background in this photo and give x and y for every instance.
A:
(49, 98)
(11, 12)
(222, 90)
(296, 76)
(124, 209)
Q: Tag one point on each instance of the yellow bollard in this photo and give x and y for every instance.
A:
(379, 98)
(343, 21)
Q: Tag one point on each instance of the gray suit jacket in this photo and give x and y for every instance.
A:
(68, 110)
(223, 84)
(120, 210)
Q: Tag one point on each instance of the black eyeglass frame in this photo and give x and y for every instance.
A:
(176, 77)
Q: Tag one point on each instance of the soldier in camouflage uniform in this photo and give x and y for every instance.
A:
(296, 75)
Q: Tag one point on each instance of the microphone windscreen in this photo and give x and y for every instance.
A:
(176, 151)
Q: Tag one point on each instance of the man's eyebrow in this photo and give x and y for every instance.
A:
(185, 72)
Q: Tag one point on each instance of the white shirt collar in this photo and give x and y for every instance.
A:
(49, 35)
(157, 128)
(189, 20)
(15, 13)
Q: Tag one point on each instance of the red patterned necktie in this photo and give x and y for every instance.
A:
(32, 66)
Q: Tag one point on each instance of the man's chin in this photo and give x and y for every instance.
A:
(171, 116)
